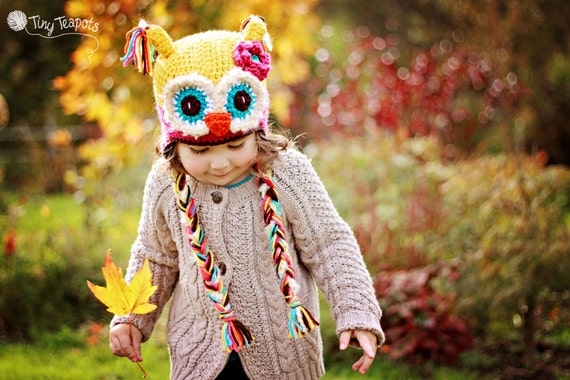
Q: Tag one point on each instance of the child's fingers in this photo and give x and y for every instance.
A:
(344, 339)
(122, 343)
(136, 344)
(362, 365)
(120, 347)
(367, 342)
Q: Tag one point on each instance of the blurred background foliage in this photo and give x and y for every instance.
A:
(438, 126)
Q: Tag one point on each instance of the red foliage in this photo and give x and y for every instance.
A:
(418, 321)
(96, 333)
(443, 90)
(9, 243)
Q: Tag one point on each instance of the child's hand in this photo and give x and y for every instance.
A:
(368, 342)
(122, 344)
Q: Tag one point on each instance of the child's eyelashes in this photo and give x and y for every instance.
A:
(198, 151)
(237, 146)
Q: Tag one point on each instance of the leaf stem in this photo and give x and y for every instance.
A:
(131, 336)
(142, 369)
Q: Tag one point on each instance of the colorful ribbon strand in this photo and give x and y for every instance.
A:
(139, 51)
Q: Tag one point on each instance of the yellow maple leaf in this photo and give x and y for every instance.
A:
(120, 298)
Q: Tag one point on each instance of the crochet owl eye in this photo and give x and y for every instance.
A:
(245, 98)
(188, 99)
(191, 104)
(251, 57)
(240, 101)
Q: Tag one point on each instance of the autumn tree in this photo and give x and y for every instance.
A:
(528, 38)
(28, 64)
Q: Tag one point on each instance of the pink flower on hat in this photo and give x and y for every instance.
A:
(250, 56)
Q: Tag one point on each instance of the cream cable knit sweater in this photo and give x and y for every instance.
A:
(323, 248)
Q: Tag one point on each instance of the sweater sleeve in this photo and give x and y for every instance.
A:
(326, 245)
(155, 242)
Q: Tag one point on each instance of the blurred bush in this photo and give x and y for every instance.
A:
(509, 225)
(421, 152)
(388, 188)
(363, 83)
(501, 220)
(419, 321)
(51, 246)
(43, 271)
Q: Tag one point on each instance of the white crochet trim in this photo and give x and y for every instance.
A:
(216, 97)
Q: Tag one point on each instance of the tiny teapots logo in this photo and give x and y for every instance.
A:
(58, 27)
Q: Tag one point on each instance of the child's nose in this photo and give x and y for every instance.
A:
(219, 162)
(218, 123)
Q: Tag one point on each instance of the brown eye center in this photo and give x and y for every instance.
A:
(242, 100)
(190, 105)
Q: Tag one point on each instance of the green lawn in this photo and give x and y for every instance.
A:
(66, 356)
(32, 362)
(95, 362)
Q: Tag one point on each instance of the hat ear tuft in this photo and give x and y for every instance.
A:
(142, 43)
(254, 28)
(161, 40)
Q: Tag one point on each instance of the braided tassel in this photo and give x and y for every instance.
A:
(139, 50)
(234, 334)
(301, 322)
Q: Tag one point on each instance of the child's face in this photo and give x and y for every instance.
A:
(220, 165)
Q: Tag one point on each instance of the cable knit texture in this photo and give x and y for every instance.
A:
(324, 253)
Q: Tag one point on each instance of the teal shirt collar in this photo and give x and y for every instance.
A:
(240, 182)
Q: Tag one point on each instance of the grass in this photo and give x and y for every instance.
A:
(84, 354)
(31, 362)
(67, 355)
(95, 362)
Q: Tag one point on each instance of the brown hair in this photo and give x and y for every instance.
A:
(268, 147)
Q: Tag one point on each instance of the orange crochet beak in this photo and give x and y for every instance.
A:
(219, 123)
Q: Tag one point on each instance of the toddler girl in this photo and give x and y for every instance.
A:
(236, 224)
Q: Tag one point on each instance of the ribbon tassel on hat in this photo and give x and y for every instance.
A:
(301, 322)
(139, 50)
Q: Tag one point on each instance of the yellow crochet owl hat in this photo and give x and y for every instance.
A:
(209, 87)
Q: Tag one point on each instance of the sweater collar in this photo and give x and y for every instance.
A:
(237, 184)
